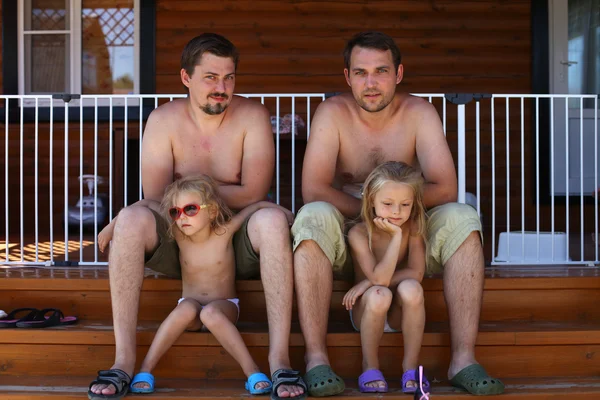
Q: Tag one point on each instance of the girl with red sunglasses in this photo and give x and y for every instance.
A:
(203, 227)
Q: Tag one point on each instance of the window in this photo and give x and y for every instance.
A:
(79, 46)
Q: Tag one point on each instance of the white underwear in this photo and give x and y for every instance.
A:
(235, 301)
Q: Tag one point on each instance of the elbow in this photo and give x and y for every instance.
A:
(309, 194)
(450, 194)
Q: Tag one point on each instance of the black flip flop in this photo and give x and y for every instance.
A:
(11, 320)
(57, 318)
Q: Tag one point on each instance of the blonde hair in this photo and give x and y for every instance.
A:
(393, 171)
(206, 188)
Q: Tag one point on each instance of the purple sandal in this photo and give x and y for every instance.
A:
(368, 376)
(411, 375)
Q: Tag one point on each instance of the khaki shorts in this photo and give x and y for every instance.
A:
(448, 226)
(166, 257)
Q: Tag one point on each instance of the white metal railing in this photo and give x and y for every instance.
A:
(484, 167)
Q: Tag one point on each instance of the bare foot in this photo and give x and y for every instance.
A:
(110, 389)
(378, 384)
(289, 391)
(411, 384)
(105, 235)
(261, 385)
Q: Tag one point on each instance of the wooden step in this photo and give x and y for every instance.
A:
(534, 294)
(74, 388)
(506, 349)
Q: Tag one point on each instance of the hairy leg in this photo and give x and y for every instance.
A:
(134, 236)
(269, 233)
(463, 290)
(313, 279)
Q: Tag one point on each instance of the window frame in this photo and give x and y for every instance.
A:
(10, 68)
(74, 33)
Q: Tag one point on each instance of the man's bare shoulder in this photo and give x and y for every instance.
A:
(170, 110)
(244, 108)
(414, 106)
(338, 105)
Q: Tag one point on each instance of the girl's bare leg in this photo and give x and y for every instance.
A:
(409, 308)
(219, 317)
(186, 316)
(369, 314)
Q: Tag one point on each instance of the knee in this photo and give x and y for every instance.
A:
(135, 220)
(411, 292)
(378, 299)
(187, 310)
(270, 224)
(211, 316)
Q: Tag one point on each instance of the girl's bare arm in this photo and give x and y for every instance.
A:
(415, 268)
(379, 273)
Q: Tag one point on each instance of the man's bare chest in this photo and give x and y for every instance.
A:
(359, 155)
(219, 157)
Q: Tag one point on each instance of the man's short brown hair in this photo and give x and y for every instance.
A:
(372, 40)
(207, 43)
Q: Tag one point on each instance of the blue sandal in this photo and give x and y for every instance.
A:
(145, 377)
(256, 378)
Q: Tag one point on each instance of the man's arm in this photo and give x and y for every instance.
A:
(320, 159)
(434, 158)
(157, 157)
(258, 161)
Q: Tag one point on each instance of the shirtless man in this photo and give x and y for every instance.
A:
(350, 135)
(229, 138)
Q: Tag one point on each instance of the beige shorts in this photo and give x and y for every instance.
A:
(448, 226)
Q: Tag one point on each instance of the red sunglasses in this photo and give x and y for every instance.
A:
(189, 209)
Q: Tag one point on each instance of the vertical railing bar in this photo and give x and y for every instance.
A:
(307, 118)
(508, 175)
(552, 174)
(478, 156)
(6, 183)
(596, 187)
(461, 153)
(262, 100)
(522, 178)
(537, 176)
(444, 113)
(51, 171)
(81, 180)
(568, 193)
(293, 154)
(581, 227)
(21, 199)
(95, 180)
(140, 149)
(155, 102)
(66, 188)
(125, 149)
(36, 156)
(277, 151)
(493, 140)
(110, 159)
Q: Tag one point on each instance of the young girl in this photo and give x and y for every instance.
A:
(388, 249)
(203, 227)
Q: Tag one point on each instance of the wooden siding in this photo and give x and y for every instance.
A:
(296, 46)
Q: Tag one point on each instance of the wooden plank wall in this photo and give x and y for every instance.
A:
(296, 46)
